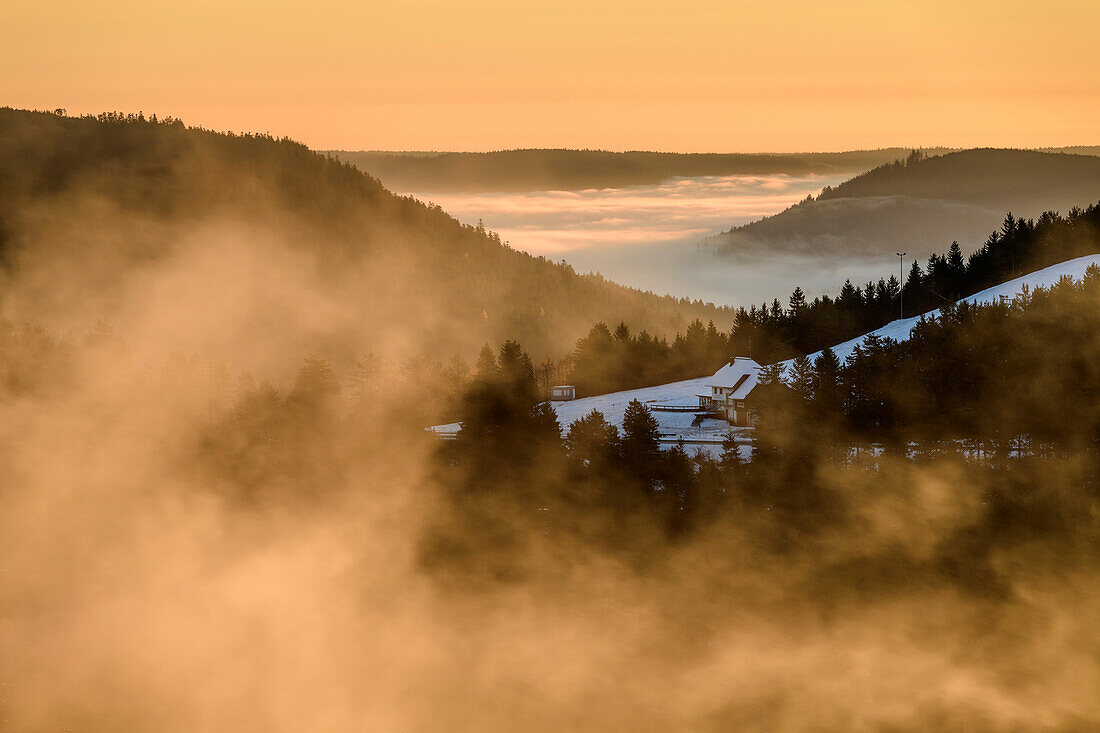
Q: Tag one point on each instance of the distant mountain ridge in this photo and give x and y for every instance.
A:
(921, 203)
(553, 169)
(987, 176)
(427, 171)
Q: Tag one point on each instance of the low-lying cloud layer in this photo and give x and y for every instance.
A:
(649, 236)
(558, 223)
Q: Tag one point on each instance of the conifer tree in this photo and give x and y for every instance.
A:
(591, 441)
(797, 302)
(545, 430)
(316, 384)
(640, 444)
(827, 375)
(366, 376)
(731, 461)
(517, 373)
(802, 378)
(486, 367)
(772, 374)
(956, 270)
(456, 376)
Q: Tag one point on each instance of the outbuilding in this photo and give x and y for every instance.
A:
(563, 392)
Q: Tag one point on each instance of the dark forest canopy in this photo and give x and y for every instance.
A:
(985, 176)
(534, 170)
(609, 361)
(100, 198)
(1019, 246)
(914, 203)
(1005, 392)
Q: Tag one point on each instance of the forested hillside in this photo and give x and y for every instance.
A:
(104, 211)
(913, 204)
(999, 178)
(606, 361)
(533, 170)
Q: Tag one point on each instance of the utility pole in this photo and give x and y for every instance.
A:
(901, 282)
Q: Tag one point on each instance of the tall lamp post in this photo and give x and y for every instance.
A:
(901, 282)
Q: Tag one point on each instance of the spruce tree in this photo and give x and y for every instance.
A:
(366, 376)
(640, 445)
(827, 374)
(797, 302)
(456, 376)
(772, 374)
(486, 367)
(517, 374)
(731, 461)
(316, 384)
(956, 270)
(591, 441)
(544, 428)
(802, 378)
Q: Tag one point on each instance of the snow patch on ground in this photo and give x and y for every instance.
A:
(672, 425)
(900, 329)
(675, 426)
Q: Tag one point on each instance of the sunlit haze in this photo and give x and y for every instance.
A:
(576, 366)
(489, 74)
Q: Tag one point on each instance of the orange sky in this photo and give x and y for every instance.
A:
(484, 74)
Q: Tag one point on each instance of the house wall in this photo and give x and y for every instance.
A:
(739, 413)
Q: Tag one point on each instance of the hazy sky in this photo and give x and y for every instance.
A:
(485, 74)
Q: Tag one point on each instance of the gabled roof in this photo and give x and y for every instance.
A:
(741, 375)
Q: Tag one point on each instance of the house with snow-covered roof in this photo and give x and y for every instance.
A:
(729, 392)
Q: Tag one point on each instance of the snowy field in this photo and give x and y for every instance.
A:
(899, 330)
(676, 426)
(672, 425)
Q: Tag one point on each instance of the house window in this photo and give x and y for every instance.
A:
(740, 403)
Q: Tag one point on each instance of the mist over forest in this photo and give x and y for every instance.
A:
(737, 228)
(220, 509)
(93, 210)
(651, 236)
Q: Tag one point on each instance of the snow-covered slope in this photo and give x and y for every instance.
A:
(899, 330)
(674, 425)
(613, 407)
